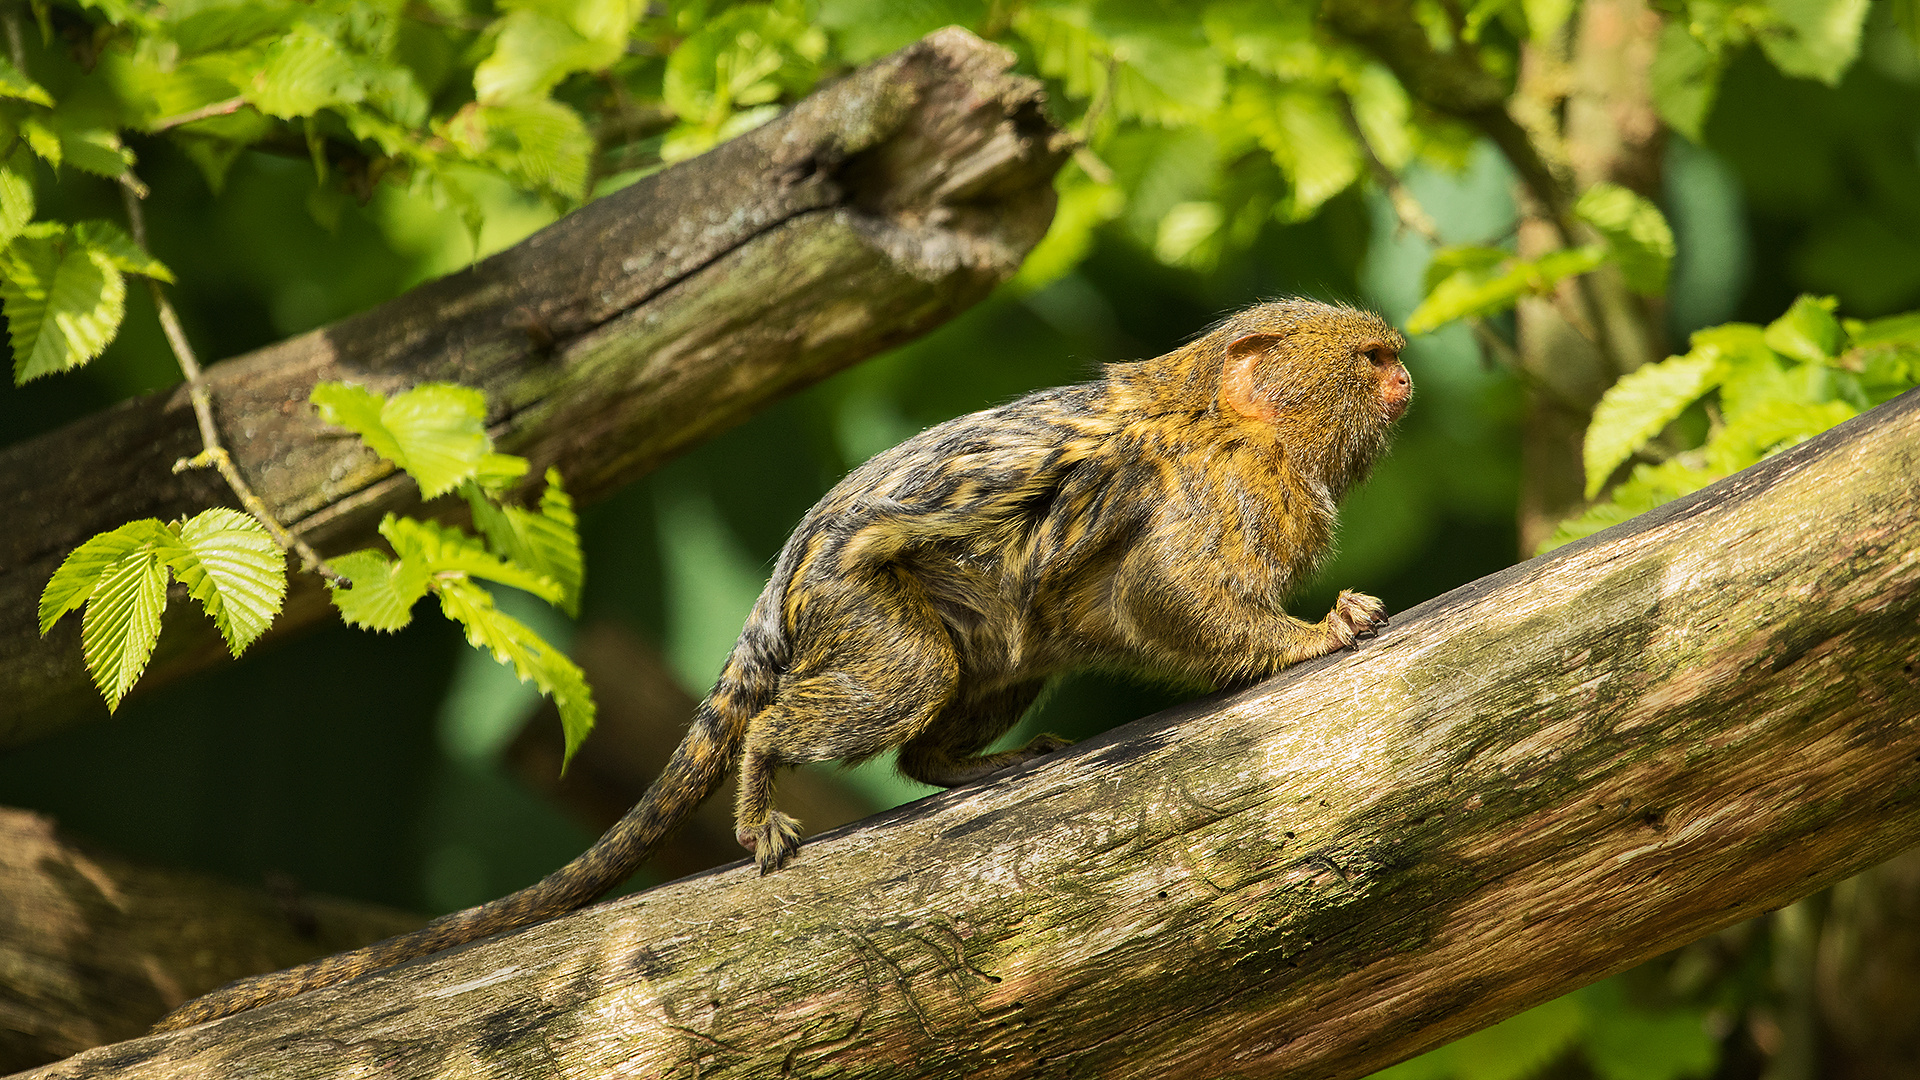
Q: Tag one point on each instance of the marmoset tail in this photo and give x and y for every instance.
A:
(1152, 520)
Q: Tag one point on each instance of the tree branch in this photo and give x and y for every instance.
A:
(94, 948)
(1522, 786)
(608, 342)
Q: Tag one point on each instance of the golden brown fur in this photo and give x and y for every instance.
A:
(1152, 520)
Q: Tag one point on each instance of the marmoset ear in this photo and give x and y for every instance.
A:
(1240, 388)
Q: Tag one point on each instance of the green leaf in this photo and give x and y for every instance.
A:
(1637, 407)
(534, 51)
(1684, 79)
(119, 249)
(384, 590)
(435, 431)
(1808, 332)
(80, 572)
(16, 202)
(1307, 137)
(1472, 284)
(540, 142)
(1768, 428)
(547, 542)
(302, 73)
(450, 553)
(230, 564)
(95, 150)
(1638, 238)
(122, 622)
(864, 29)
(513, 642)
(15, 84)
(1814, 39)
(1892, 330)
(41, 139)
(63, 302)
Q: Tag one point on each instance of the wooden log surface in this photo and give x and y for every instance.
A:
(1520, 787)
(629, 330)
(94, 948)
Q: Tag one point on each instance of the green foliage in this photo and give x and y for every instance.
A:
(437, 434)
(225, 559)
(1772, 387)
(63, 290)
(1467, 282)
(1615, 1038)
(1809, 39)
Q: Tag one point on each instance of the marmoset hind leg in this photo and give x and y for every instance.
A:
(885, 670)
(947, 753)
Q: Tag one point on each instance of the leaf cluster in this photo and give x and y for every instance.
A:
(1761, 390)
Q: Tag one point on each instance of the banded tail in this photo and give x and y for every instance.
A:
(698, 765)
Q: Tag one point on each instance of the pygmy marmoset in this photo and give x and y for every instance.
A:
(1153, 520)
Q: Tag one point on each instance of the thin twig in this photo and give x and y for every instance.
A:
(213, 453)
(204, 112)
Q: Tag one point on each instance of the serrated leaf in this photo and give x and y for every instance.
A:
(63, 302)
(230, 564)
(1892, 330)
(1768, 427)
(384, 590)
(1684, 79)
(1808, 332)
(15, 84)
(546, 542)
(1647, 487)
(1475, 290)
(42, 140)
(1814, 39)
(16, 203)
(1307, 137)
(1636, 408)
(1638, 237)
(435, 431)
(80, 571)
(534, 51)
(510, 641)
(302, 73)
(95, 150)
(540, 142)
(445, 552)
(119, 249)
(122, 622)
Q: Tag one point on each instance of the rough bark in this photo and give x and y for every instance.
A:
(633, 328)
(1524, 785)
(93, 948)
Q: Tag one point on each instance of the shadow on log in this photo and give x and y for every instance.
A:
(1525, 785)
(649, 320)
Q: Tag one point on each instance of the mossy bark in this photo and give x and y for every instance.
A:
(1522, 786)
(606, 343)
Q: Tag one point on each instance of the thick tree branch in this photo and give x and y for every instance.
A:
(92, 948)
(1525, 785)
(647, 321)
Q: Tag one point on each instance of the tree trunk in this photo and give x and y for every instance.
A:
(1527, 784)
(624, 333)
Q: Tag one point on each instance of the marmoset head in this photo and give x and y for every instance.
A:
(1306, 360)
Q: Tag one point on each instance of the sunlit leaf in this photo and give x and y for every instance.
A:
(122, 622)
(384, 590)
(1638, 238)
(1808, 332)
(546, 542)
(63, 301)
(230, 564)
(80, 572)
(302, 73)
(1814, 39)
(435, 431)
(118, 248)
(15, 84)
(1684, 79)
(1479, 286)
(1636, 408)
(445, 552)
(510, 641)
(16, 202)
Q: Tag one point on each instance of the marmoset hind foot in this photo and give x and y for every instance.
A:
(1155, 519)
